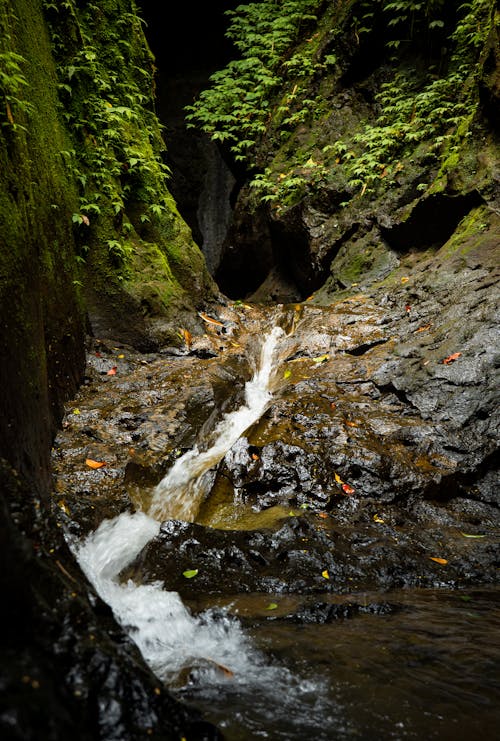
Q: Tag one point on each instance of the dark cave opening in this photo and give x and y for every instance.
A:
(190, 46)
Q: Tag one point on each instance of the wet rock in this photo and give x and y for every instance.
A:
(67, 669)
(308, 554)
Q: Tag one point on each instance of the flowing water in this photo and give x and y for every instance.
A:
(179, 495)
(430, 669)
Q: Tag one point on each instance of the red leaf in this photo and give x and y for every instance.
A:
(407, 308)
(98, 355)
(112, 371)
(348, 489)
(451, 358)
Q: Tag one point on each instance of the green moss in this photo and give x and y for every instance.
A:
(469, 234)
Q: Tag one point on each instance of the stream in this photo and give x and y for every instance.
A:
(258, 588)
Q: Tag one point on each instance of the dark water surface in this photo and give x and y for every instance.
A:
(428, 670)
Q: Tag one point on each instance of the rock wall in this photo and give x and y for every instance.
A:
(66, 669)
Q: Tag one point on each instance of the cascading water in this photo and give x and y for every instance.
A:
(179, 494)
(168, 636)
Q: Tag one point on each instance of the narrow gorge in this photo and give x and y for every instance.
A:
(249, 431)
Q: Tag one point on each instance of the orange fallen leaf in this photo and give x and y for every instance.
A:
(405, 279)
(112, 371)
(333, 405)
(451, 358)
(255, 457)
(323, 515)
(407, 308)
(185, 335)
(209, 319)
(350, 424)
(94, 464)
(442, 561)
(423, 328)
(347, 489)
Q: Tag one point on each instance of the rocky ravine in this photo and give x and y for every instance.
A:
(377, 456)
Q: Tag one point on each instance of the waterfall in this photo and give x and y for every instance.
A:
(180, 493)
(168, 636)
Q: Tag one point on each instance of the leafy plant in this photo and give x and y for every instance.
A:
(236, 106)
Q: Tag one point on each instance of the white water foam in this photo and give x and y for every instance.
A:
(179, 494)
(168, 636)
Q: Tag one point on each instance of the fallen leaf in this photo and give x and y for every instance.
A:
(304, 506)
(407, 308)
(350, 424)
(321, 358)
(325, 574)
(287, 373)
(338, 479)
(469, 535)
(185, 335)
(112, 371)
(405, 279)
(189, 573)
(94, 464)
(76, 411)
(323, 515)
(209, 319)
(333, 405)
(442, 561)
(376, 518)
(224, 669)
(98, 355)
(347, 489)
(272, 606)
(424, 328)
(121, 356)
(255, 457)
(451, 358)
(85, 220)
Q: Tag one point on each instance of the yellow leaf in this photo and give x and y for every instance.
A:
(325, 574)
(405, 279)
(321, 358)
(287, 373)
(338, 479)
(76, 411)
(121, 356)
(272, 606)
(376, 518)
(442, 561)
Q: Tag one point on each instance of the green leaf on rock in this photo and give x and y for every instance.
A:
(468, 535)
(190, 573)
(272, 606)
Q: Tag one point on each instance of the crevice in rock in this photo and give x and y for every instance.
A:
(365, 347)
(390, 388)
